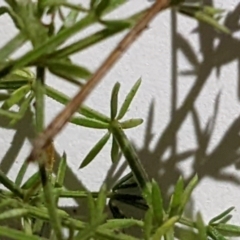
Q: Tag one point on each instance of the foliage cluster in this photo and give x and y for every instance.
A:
(34, 203)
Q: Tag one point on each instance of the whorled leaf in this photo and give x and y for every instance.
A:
(90, 123)
(61, 171)
(101, 201)
(95, 150)
(157, 204)
(128, 99)
(148, 224)
(101, 7)
(114, 150)
(221, 215)
(187, 193)
(13, 213)
(67, 69)
(114, 100)
(131, 123)
(166, 226)
(202, 231)
(16, 97)
(176, 198)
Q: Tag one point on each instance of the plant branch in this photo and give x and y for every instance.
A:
(63, 117)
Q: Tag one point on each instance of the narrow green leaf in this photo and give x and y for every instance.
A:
(95, 150)
(117, 24)
(169, 235)
(71, 19)
(91, 208)
(114, 100)
(13, 213)
(23, 108)
(84, 110)
(128, 99)
(101, 7)
(83, 43)
(88, 122)
(224, 219)
(176, 198)
(89, 231)
(202, 234)
(131, 123)
(9, 114)
(61, 171)
(31, 181)
(12, 85)
(5, 181)
(113, 5)
(96, 37)
(165, 228)
(148, 224)
(121, 223)
(16, 97)
(130, 155)
(202, 16)
(39, 91)
(114, 150)
(11, 46)
(16, 235)
(187, 193)
(123, 180)
(51, 44)
(221, 215)
(23, 75)
(21, 173)
(65, 69)
(211, 21)
(211, 11)
(215, 234)
(50, 202)
(93, 4)
(63, 3)
(157, 203)
(228, 229)
(48, 46)
(101, 201)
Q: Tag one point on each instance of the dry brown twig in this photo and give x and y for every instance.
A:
(57, 124)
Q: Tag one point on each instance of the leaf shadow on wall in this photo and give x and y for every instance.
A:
(24, 129)
(226, 152)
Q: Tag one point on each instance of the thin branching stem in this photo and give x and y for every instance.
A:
(64, 116)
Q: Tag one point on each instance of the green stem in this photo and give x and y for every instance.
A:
(130, 155)
(39, 91)
(47, 187)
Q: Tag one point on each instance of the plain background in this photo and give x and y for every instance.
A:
(173, 57)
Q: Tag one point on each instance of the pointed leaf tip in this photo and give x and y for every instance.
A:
(129, 99)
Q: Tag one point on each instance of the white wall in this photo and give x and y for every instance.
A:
(152, 58)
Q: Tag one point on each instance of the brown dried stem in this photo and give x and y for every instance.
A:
(44, 139)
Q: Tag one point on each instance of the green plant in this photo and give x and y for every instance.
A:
(34, 202)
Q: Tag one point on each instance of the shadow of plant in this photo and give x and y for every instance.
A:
(226, 152)
(205, 164)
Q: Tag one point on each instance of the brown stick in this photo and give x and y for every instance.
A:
(42, 141)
